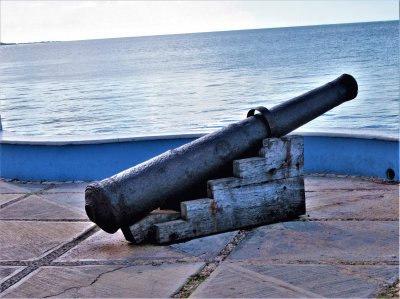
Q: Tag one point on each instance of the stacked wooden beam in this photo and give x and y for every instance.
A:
(263, 190)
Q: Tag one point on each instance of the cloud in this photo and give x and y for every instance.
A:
(86, 4)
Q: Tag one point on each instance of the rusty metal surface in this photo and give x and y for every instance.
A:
(176, 175)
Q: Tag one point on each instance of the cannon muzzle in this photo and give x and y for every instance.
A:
(130, 195)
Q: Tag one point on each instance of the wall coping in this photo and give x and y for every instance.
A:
(7, 137)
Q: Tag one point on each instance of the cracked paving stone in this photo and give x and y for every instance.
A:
(257, 280)
(36, 208)
(104, 281)
(322, 241)
(28, 240)
(103, 246)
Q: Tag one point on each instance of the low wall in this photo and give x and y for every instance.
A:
(93, 158)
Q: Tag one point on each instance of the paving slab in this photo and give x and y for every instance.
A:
(110, 247)
(34, 207)
(320, 183)
(15, 187)
(322, 241)
(102, 246)
(72, 200)
(8, 271)
(361, 205)
(28, 240)
(105, 281)
(323, 257)
(68, 188)
(6, 197)
(239, 280)
(205, 248)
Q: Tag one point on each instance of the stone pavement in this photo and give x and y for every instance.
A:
(345, 246)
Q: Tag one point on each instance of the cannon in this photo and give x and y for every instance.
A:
(130, 195)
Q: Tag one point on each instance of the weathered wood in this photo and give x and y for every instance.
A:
(236, 208)
(260, 203)
(274, 144)
(139, 231)
(180, 230)
(232, 182)
(281, 158)
(260, 169)
(287, 150)
(194, 209)
(265, 189)
(248, 167)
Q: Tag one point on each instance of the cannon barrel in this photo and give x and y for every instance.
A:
(128, 196)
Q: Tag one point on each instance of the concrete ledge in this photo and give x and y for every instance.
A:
(12, 138)
(341, 151)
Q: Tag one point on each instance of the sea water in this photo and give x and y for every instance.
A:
(199, 82)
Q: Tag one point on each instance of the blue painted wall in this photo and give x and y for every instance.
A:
(336, 155)
(77, 162)
(352, 156)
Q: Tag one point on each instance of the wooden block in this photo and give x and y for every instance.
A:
(256, 165)
(287, 149)
(281, 158)
(139, 231)
(248, 204)
(243, 193)
(296, 151)
(224, 183)
(196, 209)
(275, 150)
(254, 173)
(236, 208)
(253, 178)
(180, 230)
(284, 147)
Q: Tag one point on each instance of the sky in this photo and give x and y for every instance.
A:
(34, 21)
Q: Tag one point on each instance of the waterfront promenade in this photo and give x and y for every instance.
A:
(345, 246)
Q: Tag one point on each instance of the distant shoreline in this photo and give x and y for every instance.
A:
(28, 43)
(172, 34)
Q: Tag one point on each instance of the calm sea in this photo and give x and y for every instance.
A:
(196, 82)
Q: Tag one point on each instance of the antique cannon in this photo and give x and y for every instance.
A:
(130, 195)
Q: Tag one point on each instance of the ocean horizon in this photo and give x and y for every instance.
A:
(196, 82)
(184, 33)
